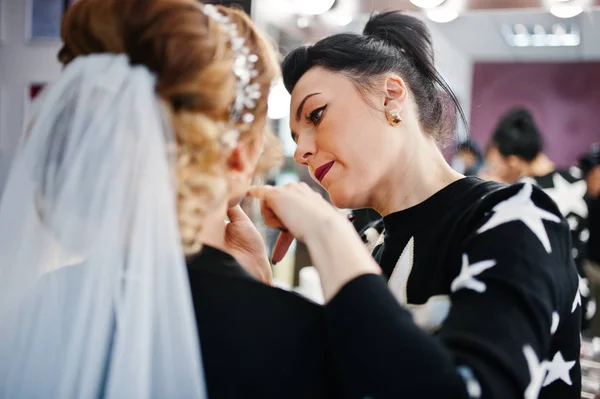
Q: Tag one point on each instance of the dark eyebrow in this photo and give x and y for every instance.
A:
(299, 110)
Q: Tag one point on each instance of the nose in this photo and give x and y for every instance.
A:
(305, 149)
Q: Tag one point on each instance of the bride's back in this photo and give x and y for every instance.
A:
(110, 189)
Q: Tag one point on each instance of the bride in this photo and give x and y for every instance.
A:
(118, 276)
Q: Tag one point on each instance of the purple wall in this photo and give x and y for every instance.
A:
(563, 97)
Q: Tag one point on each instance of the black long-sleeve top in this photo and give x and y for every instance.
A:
(568, 190)
(479, 299)
(257, 341)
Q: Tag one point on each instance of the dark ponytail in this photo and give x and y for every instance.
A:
(517, 134)
(391, 42)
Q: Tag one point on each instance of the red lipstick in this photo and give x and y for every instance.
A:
(322, 170)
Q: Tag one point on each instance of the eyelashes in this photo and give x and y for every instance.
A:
(316, 116)
(313, 118)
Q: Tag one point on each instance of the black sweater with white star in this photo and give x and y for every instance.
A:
(482, 301)
(567, 189)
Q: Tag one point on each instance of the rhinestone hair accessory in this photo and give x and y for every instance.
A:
(246, 93)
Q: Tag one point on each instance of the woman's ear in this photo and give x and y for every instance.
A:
(237, 159)
(237, 173)
(244, 157)
(395, 93)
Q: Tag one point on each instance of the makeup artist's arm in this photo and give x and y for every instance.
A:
(372, 336)
(493, 343)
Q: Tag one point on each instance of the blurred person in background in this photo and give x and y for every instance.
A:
(516, 153)
(516, 148)
(468, 159)
(120, 277)
(472, 292)
(490, 162)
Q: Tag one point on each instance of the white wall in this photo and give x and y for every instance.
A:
(21, 63)
(457, 69)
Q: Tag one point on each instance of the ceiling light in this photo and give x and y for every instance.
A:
(559, 29)
(538, 39)
(313, 7)
(427, 3)
(442, 16)
(521, 29)
(571, 40)
(566, 10)
(557, 35)
(446, 12)
(520, 40)
(539, 30)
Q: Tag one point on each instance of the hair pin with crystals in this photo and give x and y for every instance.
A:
(246, 93)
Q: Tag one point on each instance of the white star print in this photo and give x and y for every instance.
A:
(537, 373)
(590, 309)
(555, 322)
(568, 196)
(558, 369)
(430, 315)
(584, 236)
(374, 238)
(473, 386)
(576, 172)
(399, 278)
(466, 278)
(529, 180)
(521, 207)
(573, 222)
(582, 289)
(380, 239)
(576, 301)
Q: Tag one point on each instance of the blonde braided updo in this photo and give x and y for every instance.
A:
(193, 63)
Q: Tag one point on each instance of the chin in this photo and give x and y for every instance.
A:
(237, 194)
(343, 199)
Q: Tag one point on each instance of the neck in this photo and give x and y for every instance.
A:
(540, 166)
(213, 228)
(426, 172)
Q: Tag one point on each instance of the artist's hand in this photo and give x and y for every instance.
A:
(297, 210)
(246, 245)
(336, 249)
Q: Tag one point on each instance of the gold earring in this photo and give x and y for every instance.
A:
(393, 117)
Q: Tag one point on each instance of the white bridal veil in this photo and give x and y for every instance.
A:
(94, 296)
